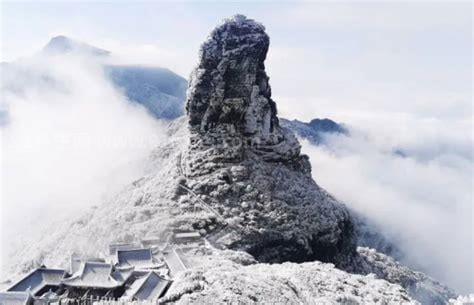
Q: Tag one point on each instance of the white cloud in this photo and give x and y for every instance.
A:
(71, 140)
(422, 201)
(178, 60)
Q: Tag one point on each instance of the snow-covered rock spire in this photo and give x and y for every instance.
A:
(249, 168)
(230, 79)
(229, 91)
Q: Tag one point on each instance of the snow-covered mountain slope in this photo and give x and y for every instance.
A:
(232, 172)
(161, 91)
(231, 277)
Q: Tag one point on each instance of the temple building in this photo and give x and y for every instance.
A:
(130, 272)
(139, 258)
(40, 281)
(146, 286)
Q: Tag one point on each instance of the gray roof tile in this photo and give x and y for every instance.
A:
(38, 279)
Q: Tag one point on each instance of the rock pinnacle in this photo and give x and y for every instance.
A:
(246, 165)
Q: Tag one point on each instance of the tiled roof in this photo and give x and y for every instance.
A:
(75, 262)
(38, 279)
(174, 262)
(98, 275)
(147, 286)
(15, 298)
(139, 258)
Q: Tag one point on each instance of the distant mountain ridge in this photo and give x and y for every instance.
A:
(315, 130)
(62, 44)
(161, 91)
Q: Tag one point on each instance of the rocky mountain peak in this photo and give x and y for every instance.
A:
(229, 97)
(247, 167)
(249, 173)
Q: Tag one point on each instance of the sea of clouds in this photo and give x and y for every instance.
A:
(413, 178)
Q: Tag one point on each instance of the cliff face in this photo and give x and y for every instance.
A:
(249, 168)
(229, 88)
(229, 97)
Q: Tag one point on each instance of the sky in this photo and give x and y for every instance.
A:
(416, 55)
(399, 74)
